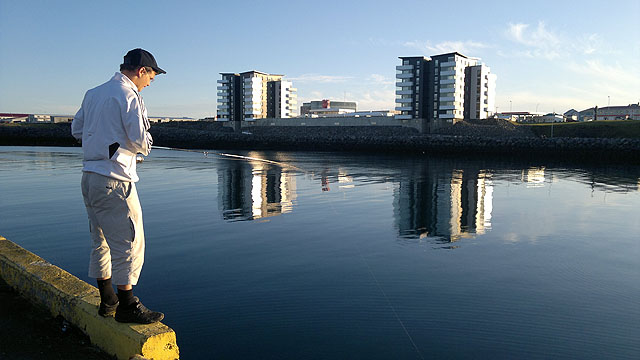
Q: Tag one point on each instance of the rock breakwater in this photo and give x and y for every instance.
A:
(469, 140)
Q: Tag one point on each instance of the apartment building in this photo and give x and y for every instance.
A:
(449, 87)
(255, 95)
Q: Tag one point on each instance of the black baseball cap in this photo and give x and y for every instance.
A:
(141, 57)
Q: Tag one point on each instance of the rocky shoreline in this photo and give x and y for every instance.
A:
(464, 139)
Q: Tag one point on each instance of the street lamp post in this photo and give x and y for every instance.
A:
(510, 106)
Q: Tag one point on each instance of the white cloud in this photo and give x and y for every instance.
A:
(380, 79)
(538, 42)
(376, 100)
(540, 37)
(617, 73)
(445, 47)
(559, 100)
(588, 44)
(318, 78)
(621, 83)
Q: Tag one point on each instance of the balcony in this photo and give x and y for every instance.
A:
(447, 107)
(447, 72)
(404, 67)
(223, 107)
(403, 117)
(447, 81)
(447, 64)
(447, 98)
(445, 116)
(223, 113)
(404, 83)
(404, 108)
(447, 90)
(223, 81)
(404, 92)
(403, 101)
(224, 87)
(404, 76)
(251, 104)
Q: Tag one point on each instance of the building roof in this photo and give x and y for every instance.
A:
(259, 72)
(439, 55)
(250, 72)
(414, 57)
(634, 106)
(13, 115)
(451, 53)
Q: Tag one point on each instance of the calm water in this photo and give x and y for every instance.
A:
(328, 255)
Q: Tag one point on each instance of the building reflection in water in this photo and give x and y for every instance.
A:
(533, 177)
(446, 207)
(253, 190)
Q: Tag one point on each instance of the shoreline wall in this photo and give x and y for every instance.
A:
(501, 142)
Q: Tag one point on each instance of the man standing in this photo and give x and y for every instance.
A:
(113, 127)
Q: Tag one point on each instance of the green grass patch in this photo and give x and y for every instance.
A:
(591, 129)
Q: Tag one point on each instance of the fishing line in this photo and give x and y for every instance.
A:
(393, 309)
(384, 294)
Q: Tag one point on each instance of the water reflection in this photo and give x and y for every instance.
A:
(533, 177)
(253, 190)
(446, 205)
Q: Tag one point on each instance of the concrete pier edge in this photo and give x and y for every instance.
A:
(77, 302)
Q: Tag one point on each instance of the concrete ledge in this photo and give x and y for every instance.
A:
(76, 301)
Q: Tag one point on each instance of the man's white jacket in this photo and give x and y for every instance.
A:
(114, 128)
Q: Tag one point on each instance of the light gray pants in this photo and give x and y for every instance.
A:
(115, 222)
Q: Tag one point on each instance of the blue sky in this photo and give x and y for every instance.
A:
(549, 55)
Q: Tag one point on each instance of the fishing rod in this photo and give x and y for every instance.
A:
(225, 155)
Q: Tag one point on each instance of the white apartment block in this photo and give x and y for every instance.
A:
(285, 102)
(449, 87)
(255, 95)
(480, 92)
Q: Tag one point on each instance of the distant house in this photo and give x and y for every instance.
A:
(548, 118)
(587, 114)
(39, 118)
(61, 119)
(35, 118)
(518, 116)
(168, 119)
(13, 118)
(571, 115)
(629, 112)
